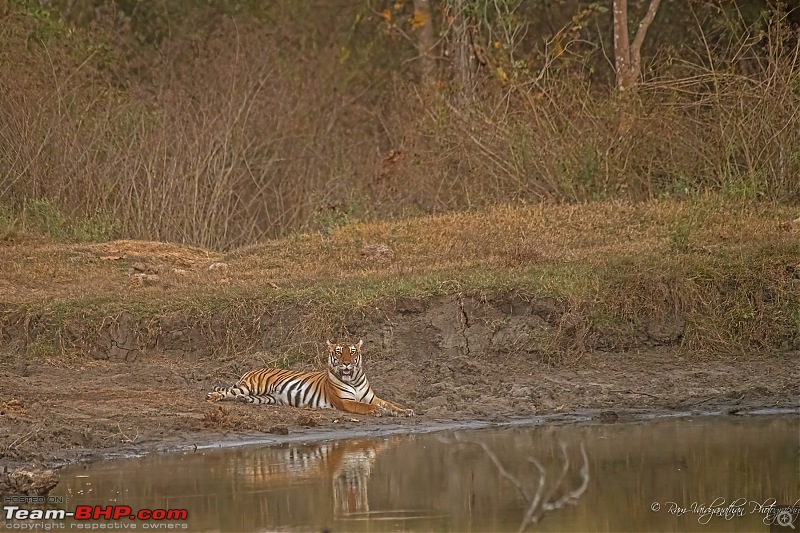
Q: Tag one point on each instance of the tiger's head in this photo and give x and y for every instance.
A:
(344, 359)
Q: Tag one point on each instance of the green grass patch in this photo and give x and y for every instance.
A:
(43, 218)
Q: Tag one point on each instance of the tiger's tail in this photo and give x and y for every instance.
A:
(219, 394)
(239, 392)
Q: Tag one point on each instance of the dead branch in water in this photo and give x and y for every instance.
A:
(540, 503)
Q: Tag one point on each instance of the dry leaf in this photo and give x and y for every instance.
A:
(418, 20)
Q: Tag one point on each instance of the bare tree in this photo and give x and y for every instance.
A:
(627, 56)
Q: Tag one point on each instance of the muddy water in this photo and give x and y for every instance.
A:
(452, 480)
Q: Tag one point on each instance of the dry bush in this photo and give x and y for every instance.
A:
(713, 114)
(723, 121)
(230, 134)
(230, 142)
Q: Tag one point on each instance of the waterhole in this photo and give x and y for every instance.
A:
(688, 474)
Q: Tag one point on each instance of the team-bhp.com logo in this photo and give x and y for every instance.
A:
(17, 517)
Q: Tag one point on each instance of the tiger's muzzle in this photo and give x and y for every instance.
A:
(347, 372)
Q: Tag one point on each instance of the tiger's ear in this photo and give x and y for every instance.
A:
(330, 346)
(360, 342)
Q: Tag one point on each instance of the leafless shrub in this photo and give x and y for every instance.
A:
(230, 136)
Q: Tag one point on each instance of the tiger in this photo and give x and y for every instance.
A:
(343, 386)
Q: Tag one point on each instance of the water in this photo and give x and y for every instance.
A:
(447, 481)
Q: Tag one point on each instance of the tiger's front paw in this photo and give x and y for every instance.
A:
(213, 396)
(383, 411)
(408, 412)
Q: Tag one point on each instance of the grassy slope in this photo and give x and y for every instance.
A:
(724, 267)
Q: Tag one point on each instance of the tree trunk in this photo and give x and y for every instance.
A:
(641, 32)
(423, 25)
(627, 56)
(463, 61)
(622, 49)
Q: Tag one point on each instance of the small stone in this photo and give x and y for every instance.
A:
(377, 251)
(218, 266)
(520, 392)
(307, 421)
(147, 279)
(279, 429)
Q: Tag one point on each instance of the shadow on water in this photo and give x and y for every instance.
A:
(450, 481)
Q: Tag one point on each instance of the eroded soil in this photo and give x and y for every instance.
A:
(140, 384)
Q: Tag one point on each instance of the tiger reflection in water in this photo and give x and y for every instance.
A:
(348, 464)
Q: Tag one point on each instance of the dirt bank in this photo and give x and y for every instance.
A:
(449, 358)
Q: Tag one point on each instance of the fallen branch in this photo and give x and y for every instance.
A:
(126, 439)
(626, 391)
(689, 401)
(23, 438)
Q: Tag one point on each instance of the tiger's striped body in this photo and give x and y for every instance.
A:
(344, 386)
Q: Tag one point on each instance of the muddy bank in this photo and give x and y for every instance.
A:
(453, 358)
(100, 409)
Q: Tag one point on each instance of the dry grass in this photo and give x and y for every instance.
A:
(230, 132)
(721, 265)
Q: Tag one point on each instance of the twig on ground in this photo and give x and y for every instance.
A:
(125, 438)
(23, 439)
(626, 391)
